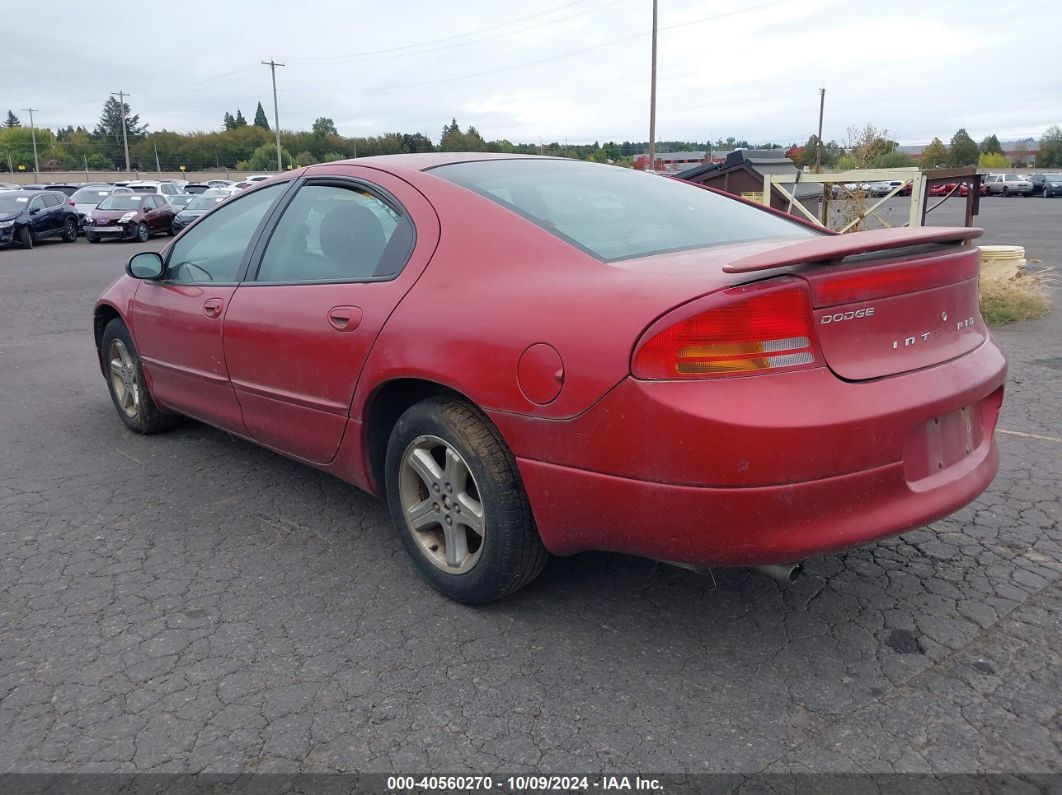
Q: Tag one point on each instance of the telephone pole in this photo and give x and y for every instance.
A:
(125, 135)
(276, 111)
(652, 100)
(33, 135)
(818, 141)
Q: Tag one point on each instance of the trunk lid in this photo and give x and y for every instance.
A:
(878, 316)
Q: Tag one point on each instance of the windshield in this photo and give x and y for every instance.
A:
(200, 203)
(91, 195)
(615, 213)
(125, 202)
(1052, 177)
(144, 188)
(13, 203)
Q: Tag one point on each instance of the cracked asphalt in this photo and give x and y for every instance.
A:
(189, 602)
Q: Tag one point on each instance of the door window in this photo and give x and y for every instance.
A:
(213, 250)
(52, 199)
(37, 203)
(332, 233)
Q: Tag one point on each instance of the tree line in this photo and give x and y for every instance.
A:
(244, 145)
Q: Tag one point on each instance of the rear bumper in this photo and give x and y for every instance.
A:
(765, 469)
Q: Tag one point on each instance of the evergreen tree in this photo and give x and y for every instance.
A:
(110, 125)
(228, 121)
(991, 146)
(12, 120)
(239, 121)
(963, 149)
(260, 119)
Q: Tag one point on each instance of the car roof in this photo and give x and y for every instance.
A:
(422, 161)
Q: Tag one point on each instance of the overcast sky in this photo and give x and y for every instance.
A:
(556, 70)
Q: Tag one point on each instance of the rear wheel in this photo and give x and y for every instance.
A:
(1046, 194)
(125, 381)
(1005, 193)
(458, 503)
(25, 237)
(70, 231)
(142, 232)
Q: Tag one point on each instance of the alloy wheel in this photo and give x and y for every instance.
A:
(124, 378)
(441, 504)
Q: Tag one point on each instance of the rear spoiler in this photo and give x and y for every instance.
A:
(833, 248)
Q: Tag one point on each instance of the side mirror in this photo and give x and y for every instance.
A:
(146, 265)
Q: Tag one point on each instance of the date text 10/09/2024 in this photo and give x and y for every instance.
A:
(518, 784)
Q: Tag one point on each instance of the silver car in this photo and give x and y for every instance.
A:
(1008, 185)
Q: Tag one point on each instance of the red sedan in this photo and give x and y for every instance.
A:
(525, 355)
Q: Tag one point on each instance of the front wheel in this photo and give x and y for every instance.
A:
(91, 238)
(125, 381)
(25, 237)
(70, 231)
(1046, 194)
(1005, 193)
(458, 504)
(142, 232)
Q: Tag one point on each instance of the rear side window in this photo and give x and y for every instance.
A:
(333, 233)
(616, 213)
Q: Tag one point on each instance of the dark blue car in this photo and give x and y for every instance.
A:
(28, 216)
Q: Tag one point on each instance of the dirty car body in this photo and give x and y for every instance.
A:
(674, 373)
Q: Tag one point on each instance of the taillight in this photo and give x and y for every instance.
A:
(861, 283)
(739, 331)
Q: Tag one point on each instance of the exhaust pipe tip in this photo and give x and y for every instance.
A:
(783, 572)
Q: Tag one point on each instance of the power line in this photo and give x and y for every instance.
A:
(557, 57)
(369, 53)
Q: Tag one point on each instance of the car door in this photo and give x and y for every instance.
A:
(177, 321)
(153, 213)
(341, 256)
(38, 214)
(164, 214)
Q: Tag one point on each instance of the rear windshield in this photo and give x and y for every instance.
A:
(122, 202)
(616, 213)
(144, 188)
(91, 195)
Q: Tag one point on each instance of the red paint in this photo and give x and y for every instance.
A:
(540, 373)
(749, 468)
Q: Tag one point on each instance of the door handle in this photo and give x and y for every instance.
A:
(344, 318)
(212, 307)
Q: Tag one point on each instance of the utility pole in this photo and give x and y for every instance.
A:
(158, 167)
(276, 111)
(33, 135)
(652, 100)
(125, 135)
(818, 140)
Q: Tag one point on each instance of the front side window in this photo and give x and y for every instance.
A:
(331, 233)
(213, 250)
(37, 203)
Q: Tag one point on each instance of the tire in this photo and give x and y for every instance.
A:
(1005, 193)
(91, 238)
(1046, 194)
(70, 231)
(25, 237)
(125, 382)
(142, 232)
(473, 562)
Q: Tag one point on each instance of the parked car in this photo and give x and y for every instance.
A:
(884, 188)
(223, 192)
(86, 200)
(220, 183)
(27, 217)
(519, 371)
(197, 187)
(64, 188)
(964, 189)
(257, 178)
(181, 200)
(1008, 185)
(152, 186)
(132, 216)
(200, 205)
(943, 189)
(1047, 185)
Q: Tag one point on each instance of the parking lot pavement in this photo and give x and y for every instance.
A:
(191, 602)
